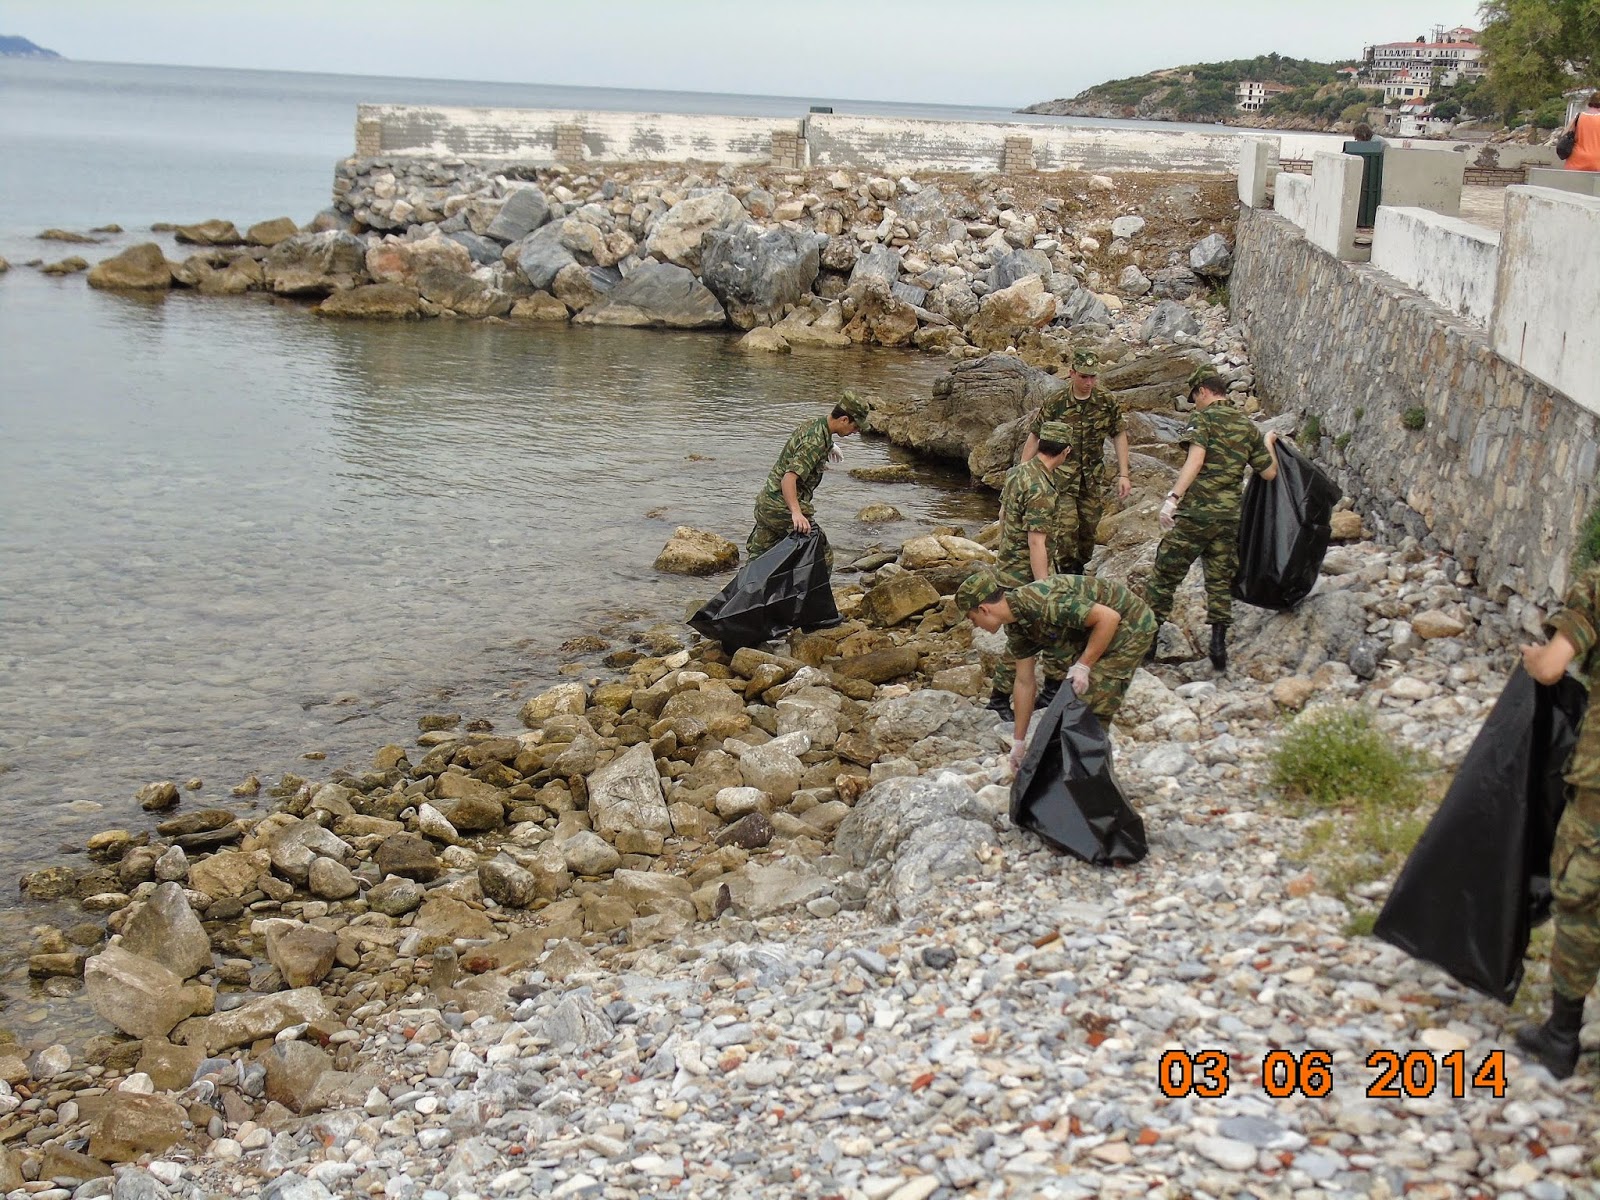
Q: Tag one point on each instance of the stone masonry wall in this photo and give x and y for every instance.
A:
(1503, 470)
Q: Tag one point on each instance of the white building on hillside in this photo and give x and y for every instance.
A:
(1251, 94)
(1411, 84)
(1449, 57)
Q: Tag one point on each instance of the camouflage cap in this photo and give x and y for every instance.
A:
(1056, 431)
(1203, 371)
(976, 588)
(1086, 362)
(853, 407)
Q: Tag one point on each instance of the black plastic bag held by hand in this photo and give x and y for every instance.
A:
(784, 588)
(1066, 792)
(1284, 532)
(1478, 880)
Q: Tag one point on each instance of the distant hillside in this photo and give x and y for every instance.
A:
(21, 47)
(1207, 92)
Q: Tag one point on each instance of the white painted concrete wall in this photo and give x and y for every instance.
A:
(1335, 198)
(1548, 290)
(1421, 179)
(1450, 261)
(904, 144)
(1258, 162)
(1292, 197)
(529, 135)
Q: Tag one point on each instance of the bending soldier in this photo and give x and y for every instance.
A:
(1100, 623)
(1574, 634)
(784, 504)
(1027, 524)
(1092, 415)
(1201, 512)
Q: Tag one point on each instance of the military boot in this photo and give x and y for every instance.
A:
(1219, 647)
(1554, 1045)
(1000, 705)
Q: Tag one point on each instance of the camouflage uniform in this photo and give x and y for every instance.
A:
(1575, 860)
(1207, 525)
(806, 454)
(1081, 481)
(1027, 505)
(1052, 619)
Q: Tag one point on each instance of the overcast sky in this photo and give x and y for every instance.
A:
(989, 52)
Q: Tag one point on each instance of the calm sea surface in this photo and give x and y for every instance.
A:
(232, 534)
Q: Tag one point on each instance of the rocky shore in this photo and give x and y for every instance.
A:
(956, 264)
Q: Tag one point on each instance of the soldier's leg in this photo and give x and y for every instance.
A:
(1179, 547)
(765, 534)
(827, 546)
(1005, 671)
(1575, 888)
(1091, 505)
(1109, 680)
(1063, 541)
(1220, 562)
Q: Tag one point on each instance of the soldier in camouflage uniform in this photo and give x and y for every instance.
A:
(1027, 526)
(1201, 512)
(784, 505)
(1093, 415)
(1099, 621)
(1574, 634)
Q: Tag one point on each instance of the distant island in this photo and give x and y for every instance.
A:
(21, 47)
(1279, 92)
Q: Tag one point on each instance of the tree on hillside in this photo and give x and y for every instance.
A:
(1538, 49)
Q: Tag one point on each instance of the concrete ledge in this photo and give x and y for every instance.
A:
(1450, 261)
(1585, 183)
(1423, 179)
(1335, 200)
(1548, 290)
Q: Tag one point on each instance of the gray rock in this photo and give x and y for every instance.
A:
(1132, 281)
(1017, 265)
(540, 256)
(658, 294)
(587, 853)
(757, 274)
(165, 930)
(677, 235)
(1127, 227)
(137, 995)
(879, 262)
(1212, 257)
(1167, 321)
(1364, 657)
(484, 252)
(507, 884)
(293, 1187)
(1325, 627)
(625, 794)
(135, 1183)
(316, 264)
(525, 210)
(1076, 305)
(395, 897)
(332, 880)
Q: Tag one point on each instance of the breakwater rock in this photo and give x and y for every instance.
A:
(949, 263)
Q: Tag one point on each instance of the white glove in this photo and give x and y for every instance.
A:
(1169, 512)
(836, 454)
(1017, 747)
(1078, 676)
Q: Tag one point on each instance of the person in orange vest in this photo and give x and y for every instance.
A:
(1585, 154)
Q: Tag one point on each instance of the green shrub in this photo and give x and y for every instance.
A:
(1342, 441)
(1311, 430)
(1588, 548)
(1552, 114)
(1414, 418)
(1336, 757)
(1361, 411)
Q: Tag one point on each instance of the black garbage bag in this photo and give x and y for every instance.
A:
(1066, 792)
(1284, 532)
(1478, 880)
(785, 588)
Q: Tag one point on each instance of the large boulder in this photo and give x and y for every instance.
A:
(540, 256)
(758, 274)
(966, 407)
(255, 1019)
(315, 264)
(1006, 315)
(874, 314)
(1167, 321)
(270, 233)
(918, 834)
(625, 795)
(524, 210)
(141, 268)
(1151, 381)
(879, 262)
(402, 262)
(1324, 627)
(692, 551)
(677, 235)
(658, 294)
(373, 302)
(1076, 305)
(1016, 266)
(578, 286)
(129, 1125)
(209, 233)
(136, 994)
(165, 930)
(467, 295)
(303, 955)
(484, 251)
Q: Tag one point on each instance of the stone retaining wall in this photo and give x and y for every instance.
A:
(1503, 470)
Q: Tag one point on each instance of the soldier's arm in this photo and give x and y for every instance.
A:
(1023, 694)
(790, 487)
(1124, 480)
(1039, 553)
(1269, 472)
(1030, 447)
(1572, 631)
(1102, 623)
